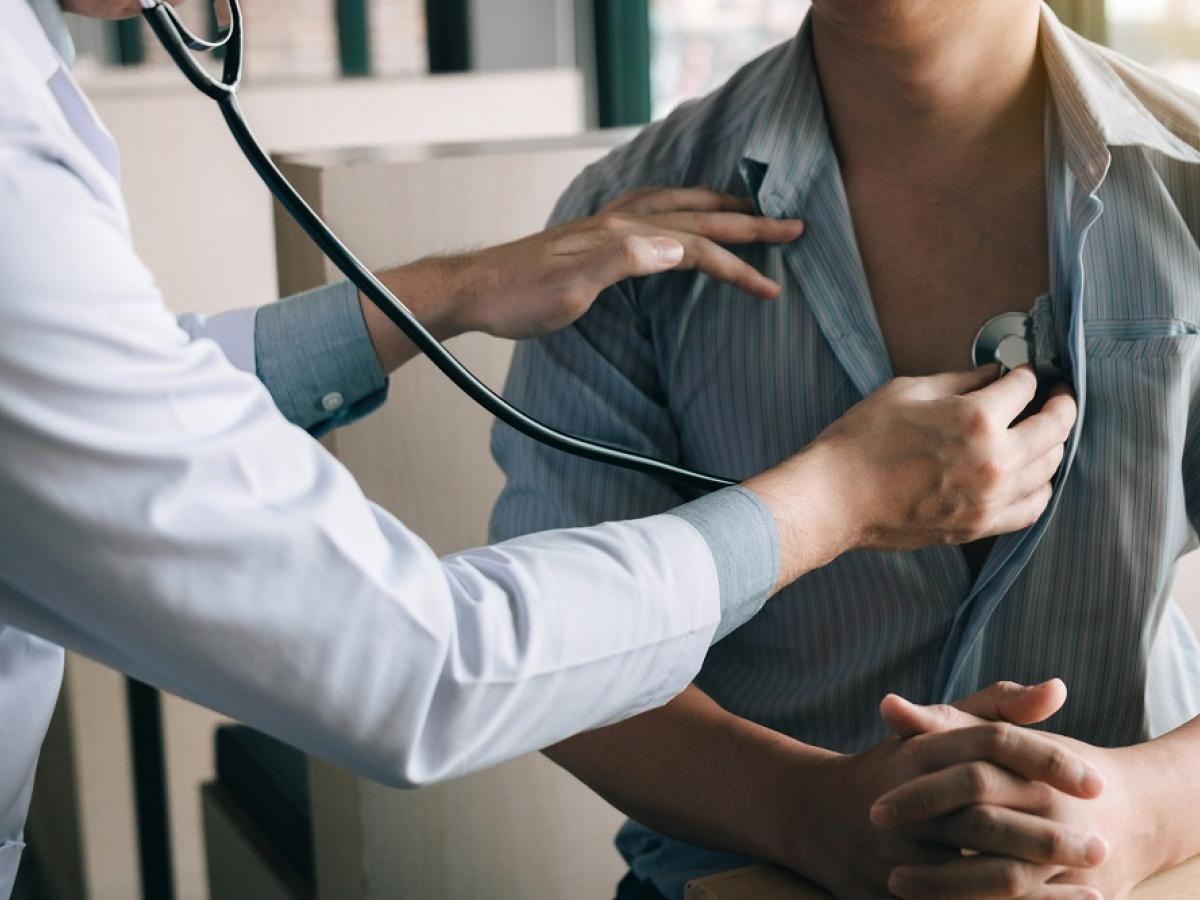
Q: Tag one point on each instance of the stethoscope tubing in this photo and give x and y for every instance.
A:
(177, 40)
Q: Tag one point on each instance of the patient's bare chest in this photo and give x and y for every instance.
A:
(939, 266)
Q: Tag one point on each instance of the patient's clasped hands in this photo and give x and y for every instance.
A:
(1041, 816)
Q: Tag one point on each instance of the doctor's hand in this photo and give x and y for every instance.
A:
(1022, 829)
(545, 282)
(833, 840)
(922, 461)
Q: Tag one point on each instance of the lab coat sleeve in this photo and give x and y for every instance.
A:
(161, 516)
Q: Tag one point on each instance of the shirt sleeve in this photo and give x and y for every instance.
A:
(600, 378)
(165, 519)
(312, 351)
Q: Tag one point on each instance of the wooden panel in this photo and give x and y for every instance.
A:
(772, 883)
(425, 457)
(242, 865)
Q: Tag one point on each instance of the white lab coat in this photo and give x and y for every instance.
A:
(158, 514)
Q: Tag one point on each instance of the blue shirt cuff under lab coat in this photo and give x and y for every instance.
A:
(741, 534)
(314, 355)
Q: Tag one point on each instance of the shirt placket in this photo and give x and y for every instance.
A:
(961, 658)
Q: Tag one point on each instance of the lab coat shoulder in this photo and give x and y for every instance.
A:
(52, 220)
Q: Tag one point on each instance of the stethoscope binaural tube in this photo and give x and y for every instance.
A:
(179, 42)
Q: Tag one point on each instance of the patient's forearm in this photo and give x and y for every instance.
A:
(696, 772)
(1173, 792)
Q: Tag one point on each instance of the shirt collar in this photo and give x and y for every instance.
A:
(1096, 102)
(1097, 97)
(52, 48)
(789, 142)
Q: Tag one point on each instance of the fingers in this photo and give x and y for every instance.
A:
(953, 384)
(966, 769)
(956, 788)
(717, 262)
(998, 831)
(1038, 473)
(732, 228)
(905, 718)
(1008, 396)
(1020, 704)
(982, 878)
(1047, 428)
(1064, 892)
(1021, 513)
(651, 201)
(1004, 701)
(635, 255)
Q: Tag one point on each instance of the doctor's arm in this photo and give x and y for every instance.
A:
(325, 355)
(164, 518)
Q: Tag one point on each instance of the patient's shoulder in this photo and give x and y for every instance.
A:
(677, 150)
(1175, 107)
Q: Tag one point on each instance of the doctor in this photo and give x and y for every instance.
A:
(161, 511)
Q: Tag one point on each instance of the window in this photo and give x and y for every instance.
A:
(1163, 34)
(697, 44)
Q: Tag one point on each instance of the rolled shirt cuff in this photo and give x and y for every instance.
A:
(741, 535)
(315, 356)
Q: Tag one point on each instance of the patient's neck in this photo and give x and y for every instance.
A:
(927, 89)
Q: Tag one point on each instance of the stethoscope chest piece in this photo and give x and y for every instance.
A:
(1003, 340)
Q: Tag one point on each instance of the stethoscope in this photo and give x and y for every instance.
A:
(177, 39)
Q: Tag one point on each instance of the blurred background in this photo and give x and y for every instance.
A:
(414, 79)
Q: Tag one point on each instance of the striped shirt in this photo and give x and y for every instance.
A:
(681, 366)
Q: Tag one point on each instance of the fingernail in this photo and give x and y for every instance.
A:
(883, 814)
(1092, 782)
(1095, 850)
(900, 884)
(669, 251)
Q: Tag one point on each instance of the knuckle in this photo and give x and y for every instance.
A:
(977, 782)
(998, 737)
(1002, 690)
(1052, 844)
(1012, 880)
(982, 827)
(944, 712)
(1056, 763)
(610, 222)
(1043, 797)
(975, 520)
(976, 423)
(631, 250)
(990, 473)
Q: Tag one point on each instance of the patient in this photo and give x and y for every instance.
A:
(953, 159)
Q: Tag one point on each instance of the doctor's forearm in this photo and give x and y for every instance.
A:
(435, 290)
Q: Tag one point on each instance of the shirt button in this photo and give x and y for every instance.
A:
(332, 402)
